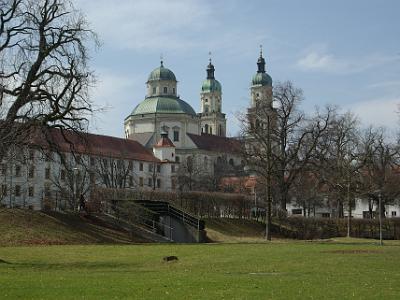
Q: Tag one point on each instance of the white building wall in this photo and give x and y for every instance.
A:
(41, 185)
(361, 206)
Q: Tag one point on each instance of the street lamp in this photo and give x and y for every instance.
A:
(74, 186)
(380, 217)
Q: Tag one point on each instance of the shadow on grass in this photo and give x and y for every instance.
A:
(72, 266)
(95, 228)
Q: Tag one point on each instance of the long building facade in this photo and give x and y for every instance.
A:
(39, 176)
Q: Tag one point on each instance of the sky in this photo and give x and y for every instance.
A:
(343, 53)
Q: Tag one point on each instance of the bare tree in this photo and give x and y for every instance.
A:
(71, 183)
(308, 193)
(381, 169)
(338, 161)
(44, 73)
(114, 172)
(193, 174)
(292, 136)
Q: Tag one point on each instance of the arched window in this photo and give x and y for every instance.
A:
(205, 161)
(173, 91)
(206, 128)
(154, 90)
(231, 162)
(176, 135)
(165, 89)
(210, 129)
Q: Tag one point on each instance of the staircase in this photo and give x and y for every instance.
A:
(164, 208)
(155, 220)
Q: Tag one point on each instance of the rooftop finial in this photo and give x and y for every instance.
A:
(161, 59)
(210, 68)
(261, 62)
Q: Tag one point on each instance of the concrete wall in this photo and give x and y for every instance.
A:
(181, 233)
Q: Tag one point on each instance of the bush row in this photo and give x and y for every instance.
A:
(321, 228)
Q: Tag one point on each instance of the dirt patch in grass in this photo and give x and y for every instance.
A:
(353, 251)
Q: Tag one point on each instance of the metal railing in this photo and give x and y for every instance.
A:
(137, 215)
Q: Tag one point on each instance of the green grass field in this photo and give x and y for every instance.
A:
(349, 269)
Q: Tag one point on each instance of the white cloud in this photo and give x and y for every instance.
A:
(147, 25)
(317, 61)
(378, 112)
(320, 60)
(386, 84)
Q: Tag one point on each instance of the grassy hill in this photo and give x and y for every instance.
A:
(25, 227)
(234, 230)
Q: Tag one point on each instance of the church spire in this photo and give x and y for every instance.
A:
(210, 68)
(261, 62)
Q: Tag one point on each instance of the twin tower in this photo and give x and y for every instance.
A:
(213, 121)
(163, 111)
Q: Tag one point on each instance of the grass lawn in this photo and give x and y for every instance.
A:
(343, 269)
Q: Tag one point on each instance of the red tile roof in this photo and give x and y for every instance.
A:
(164, 142)
(215, 143)
(247, 182)
(93, 144)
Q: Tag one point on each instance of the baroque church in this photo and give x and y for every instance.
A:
(163, 133)
(201, 135)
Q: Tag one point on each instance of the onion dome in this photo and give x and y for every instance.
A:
(261, 77)
(210, 84)
(166, 105)
(161, 73)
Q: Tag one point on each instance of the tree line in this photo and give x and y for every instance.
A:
(322, 158)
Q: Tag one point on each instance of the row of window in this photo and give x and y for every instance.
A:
(209, 130)
(165, 90)
(47, 193)
(175, 133)
(207, 109)
(17, 191)
(31, 170)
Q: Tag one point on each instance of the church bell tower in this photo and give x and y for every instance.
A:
(213, 121)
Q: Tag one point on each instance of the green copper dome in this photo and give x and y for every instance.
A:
(165, 105)
(211, 85)
(262, 79)
(161, 73)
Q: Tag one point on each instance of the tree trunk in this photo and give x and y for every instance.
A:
(370, 209)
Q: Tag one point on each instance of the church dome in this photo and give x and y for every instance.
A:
(262, 79)
(211, 85)
(164, 105)
(161, 73)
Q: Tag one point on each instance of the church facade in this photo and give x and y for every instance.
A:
(202, 135)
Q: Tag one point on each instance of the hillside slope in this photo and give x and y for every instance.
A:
(234, 230)
(25, 227)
